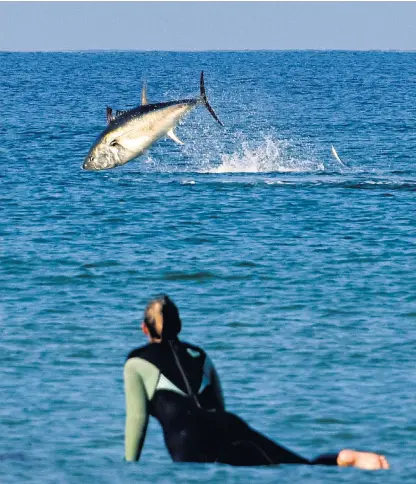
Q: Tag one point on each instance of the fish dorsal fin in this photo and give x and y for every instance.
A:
(109, 114)
(173, 137)
(144, 94)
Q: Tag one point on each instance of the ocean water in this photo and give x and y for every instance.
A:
(296, 273)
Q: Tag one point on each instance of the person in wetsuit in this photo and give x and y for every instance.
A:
(177, 383)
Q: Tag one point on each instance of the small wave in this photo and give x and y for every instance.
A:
(246, 263)
(188, 182)
(19, 456)
(185, 276)
(100, 264)
(271, 156)
(329, 420)
(8, 154)
(275, 182)
(372, 184)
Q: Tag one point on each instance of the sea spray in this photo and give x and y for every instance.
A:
(271, 155)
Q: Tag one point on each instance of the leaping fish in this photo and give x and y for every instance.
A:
(129, 133)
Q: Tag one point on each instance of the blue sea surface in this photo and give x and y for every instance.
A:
(296, 273)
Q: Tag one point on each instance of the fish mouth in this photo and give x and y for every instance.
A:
(103, 160)
(94, 162)
(89, 162)
(87, 165)
(98, 164)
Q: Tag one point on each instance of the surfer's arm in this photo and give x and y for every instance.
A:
(137, 415)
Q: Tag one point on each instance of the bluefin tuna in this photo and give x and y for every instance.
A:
(130, 133)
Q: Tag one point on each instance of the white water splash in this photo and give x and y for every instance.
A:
(152, 164)
(270, 156)
(276, 182)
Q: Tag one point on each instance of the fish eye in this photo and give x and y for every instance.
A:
(91, 158)
(114, 143)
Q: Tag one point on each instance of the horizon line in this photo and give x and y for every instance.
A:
(181, 51)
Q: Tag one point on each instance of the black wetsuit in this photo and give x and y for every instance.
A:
(177, 384)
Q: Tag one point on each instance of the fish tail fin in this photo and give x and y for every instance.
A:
(205, 100)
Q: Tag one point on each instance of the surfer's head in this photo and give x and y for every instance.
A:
(161, 319)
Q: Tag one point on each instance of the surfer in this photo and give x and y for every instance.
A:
(177, 383)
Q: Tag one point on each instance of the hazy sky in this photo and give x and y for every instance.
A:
(207, 25)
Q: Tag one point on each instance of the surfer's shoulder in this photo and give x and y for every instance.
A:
(140, 352)
(194, 350)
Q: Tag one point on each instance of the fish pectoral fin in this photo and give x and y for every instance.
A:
(144, 94)
(173, 137)
(109, 114)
